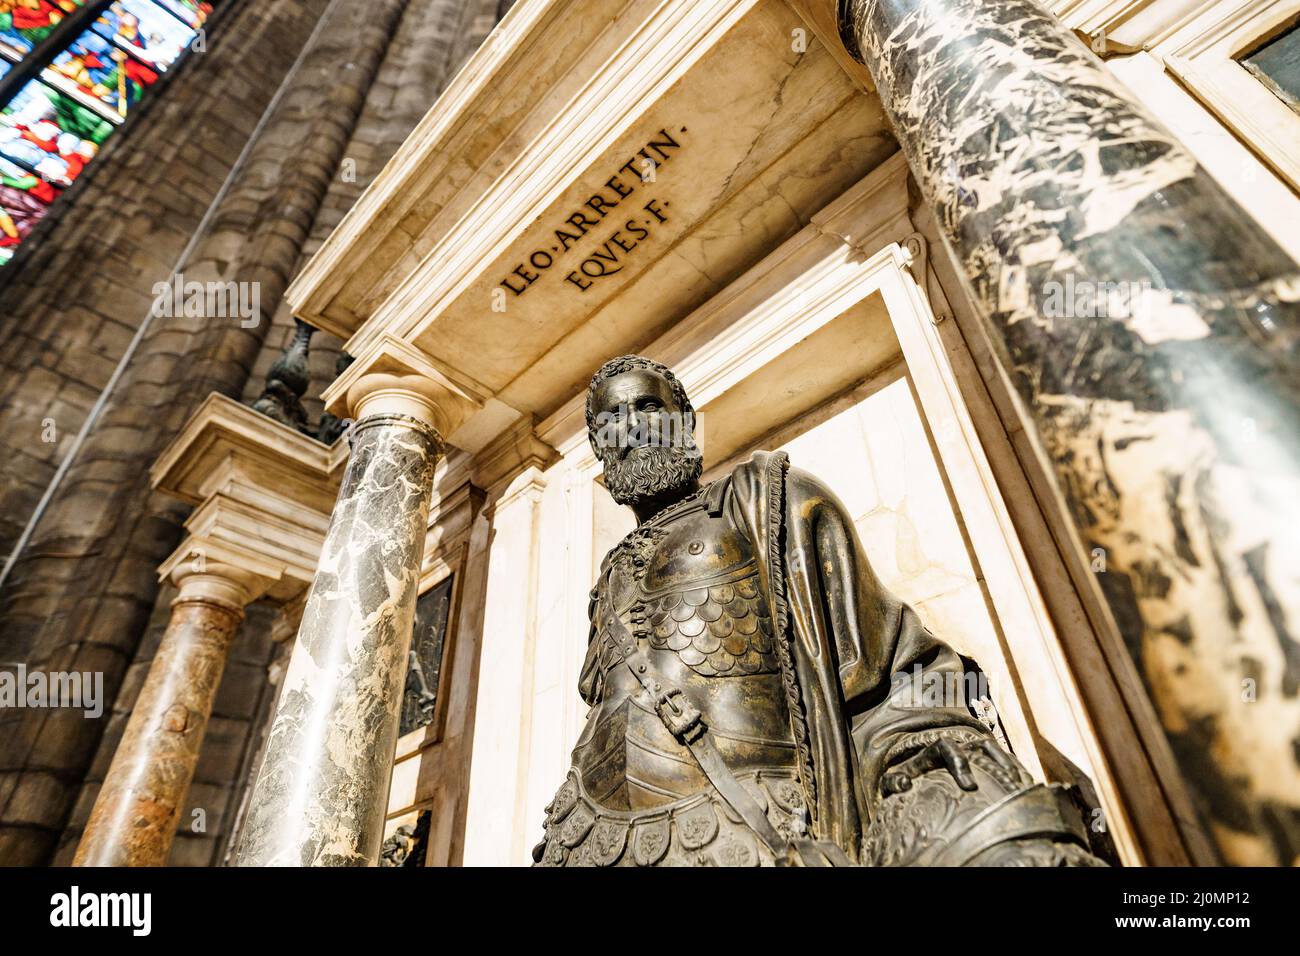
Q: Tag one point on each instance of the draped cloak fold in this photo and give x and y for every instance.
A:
(855, 647)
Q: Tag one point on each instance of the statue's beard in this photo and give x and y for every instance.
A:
(651, 471)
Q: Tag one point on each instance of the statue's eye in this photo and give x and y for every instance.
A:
(650, 405)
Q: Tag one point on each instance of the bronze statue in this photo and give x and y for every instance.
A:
(756, 693)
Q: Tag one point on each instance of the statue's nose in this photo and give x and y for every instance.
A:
(636, 435)
(634, 432)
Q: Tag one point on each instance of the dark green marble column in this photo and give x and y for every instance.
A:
(322, 792)
(1150, 328)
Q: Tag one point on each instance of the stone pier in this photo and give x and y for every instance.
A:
(1150, 328)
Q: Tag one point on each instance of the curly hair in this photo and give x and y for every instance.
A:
(629, 363)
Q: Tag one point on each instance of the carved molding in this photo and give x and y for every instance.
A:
(511, 452)
(1203, 56)
(208, 570)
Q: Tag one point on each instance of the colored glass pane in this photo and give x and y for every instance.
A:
(53, 127)
(193, 12)
(101, 75)
(24, 200)
(49, 133)
(145, 29)
(25, 23)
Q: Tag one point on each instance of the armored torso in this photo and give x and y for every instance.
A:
(685, 588)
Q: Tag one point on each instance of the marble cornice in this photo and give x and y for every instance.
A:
(1197, 33)
(1086, 17)
(408, 181)
(1130, 25)
(262, 493)
(282, 531)
(522, 45)
(657, 54)
(223, 431)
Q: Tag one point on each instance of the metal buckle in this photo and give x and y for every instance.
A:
(683, 719)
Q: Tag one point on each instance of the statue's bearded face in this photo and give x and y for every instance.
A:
(643, 437)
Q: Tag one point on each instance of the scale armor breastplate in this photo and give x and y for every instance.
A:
(686, 588)
(689, 586)
(716, 630)
(720, 630)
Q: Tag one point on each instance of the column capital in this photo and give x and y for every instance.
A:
(391, 377)
(206, 571)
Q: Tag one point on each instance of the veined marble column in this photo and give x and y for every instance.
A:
(322, 791)
(1152, 330)
(135, 815)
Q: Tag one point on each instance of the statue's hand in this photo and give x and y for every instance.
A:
(955, 757)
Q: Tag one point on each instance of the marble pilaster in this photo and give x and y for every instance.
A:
(135, 815)
(1151, 329)
(496, 832)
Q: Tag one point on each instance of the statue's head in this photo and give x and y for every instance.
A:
(642, 428)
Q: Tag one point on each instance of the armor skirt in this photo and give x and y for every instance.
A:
(698, 830)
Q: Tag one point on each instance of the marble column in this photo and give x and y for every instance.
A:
(136, 813)
(1151, 329)
(322, 791)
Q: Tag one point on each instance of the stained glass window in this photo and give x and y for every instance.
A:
(105, 62)
(192, 12)
(25, 23)
(151, 32)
